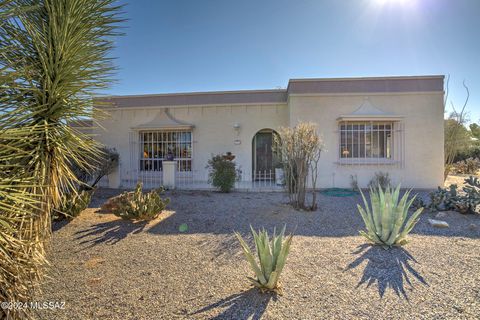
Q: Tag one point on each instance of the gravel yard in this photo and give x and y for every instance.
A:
(106, 268)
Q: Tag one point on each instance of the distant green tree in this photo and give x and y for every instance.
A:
(457, 137)
(475, 130)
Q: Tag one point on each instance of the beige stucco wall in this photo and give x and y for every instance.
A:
(423, 134)
(214, 133)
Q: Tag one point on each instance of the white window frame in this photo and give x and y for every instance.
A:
(165, 137)
(346, 134)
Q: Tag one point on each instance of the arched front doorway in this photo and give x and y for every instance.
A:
(264, 158)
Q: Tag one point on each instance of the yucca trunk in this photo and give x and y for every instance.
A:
(53, 58)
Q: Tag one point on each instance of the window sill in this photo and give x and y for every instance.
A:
(366, 162)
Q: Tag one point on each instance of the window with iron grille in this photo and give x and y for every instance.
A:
(156, 146)
(366, 140)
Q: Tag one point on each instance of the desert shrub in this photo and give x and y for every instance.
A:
(137, 205)
(386, 220)
(354, 182)
(470, 199)
(300, 149)
(272, 255)
(100, 165)
(380, 179)
(465, 201)
(473, 152)
(418, 203)
(467, 166)
(443, 198)
(223, 173)
(71, 204)
(457, 138)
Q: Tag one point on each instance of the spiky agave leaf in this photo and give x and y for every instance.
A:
(272, 255)
(400, 214)
(367, 217)
(251, 260)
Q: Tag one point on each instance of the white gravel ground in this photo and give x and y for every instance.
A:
(105, 268)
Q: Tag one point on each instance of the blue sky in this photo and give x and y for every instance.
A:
(211, 45)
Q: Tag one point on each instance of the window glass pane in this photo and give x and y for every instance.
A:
(381, 144)
(367, 139)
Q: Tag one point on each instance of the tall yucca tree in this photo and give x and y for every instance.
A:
(53, 58)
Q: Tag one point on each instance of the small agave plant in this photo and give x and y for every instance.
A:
(386, 220)
(272, 255)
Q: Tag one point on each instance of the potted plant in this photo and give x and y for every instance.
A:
(229, 156)
(170, 156)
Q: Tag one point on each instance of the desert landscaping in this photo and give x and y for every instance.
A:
(106, 267)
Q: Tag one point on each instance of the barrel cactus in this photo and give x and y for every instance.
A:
(272, 255)
(386, 220)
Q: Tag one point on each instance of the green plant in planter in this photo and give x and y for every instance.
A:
(272, 256)
(138, 205)
(386, 219)
(223, 173)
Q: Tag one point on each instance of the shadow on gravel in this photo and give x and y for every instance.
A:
(108, 232)
(388, 268)
(216, 213)
(57, 225)
(250, 304)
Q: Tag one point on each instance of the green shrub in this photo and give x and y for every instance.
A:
(223, 173)
(136, 205)
(272, 255)
(354, 182)
(386, 221)
(381, 179)
(72, 204)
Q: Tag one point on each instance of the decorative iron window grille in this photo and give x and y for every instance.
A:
(156, 146)
(366, 140)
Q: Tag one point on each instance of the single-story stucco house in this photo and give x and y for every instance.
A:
(387, 124)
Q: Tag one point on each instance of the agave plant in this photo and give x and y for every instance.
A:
(272, 255)
(386, 220)
(54, 55)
